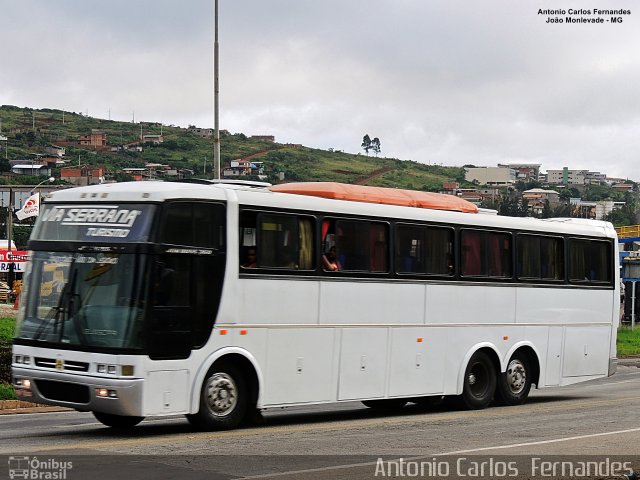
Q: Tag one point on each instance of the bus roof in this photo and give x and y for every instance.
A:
(387, 196)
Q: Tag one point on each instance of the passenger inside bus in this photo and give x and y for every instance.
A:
(330, 261)
(251, 259)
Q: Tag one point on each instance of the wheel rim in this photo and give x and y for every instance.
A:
(221, 394)
(516, 376)
(478, 380)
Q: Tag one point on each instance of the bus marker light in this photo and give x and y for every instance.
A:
(506, 337)
(127, 370)
(243, 332)
(223, 332)
(111, 369)
(419, 339)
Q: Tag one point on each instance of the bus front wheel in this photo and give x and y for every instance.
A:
(479, 382)
(117, 421)
(515, 383)
(223, 400)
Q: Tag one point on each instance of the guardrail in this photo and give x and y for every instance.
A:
(628, 231)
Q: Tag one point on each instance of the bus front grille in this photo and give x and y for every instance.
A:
(68, 365)
(62, 391)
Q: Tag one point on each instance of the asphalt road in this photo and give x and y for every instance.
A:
(593, 420)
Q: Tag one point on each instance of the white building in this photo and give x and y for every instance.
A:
(493, 176)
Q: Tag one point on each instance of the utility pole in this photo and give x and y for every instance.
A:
(216, 100)
(11, 273)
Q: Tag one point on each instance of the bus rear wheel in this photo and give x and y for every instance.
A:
(117, 421)
(223, 400)
(515, 383)
(479, 382)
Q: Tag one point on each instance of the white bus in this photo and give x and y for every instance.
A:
(214, 300)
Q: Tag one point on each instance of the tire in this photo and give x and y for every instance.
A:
(386, 404)
(117, 421)
(223, 400)
(515, 383)
(479, 382)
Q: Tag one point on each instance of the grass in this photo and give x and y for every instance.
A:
(7, 329)
(7, 392)
(628, 342)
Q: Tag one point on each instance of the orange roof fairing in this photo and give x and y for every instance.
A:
(387, 196)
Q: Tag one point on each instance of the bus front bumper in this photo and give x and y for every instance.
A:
(116, 396)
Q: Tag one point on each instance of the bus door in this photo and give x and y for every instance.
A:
(186, 278)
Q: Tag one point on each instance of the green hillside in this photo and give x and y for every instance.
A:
(29, 131)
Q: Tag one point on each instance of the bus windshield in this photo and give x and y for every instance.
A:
(84, 299)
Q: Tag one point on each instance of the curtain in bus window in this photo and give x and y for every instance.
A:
(471, 261)
(278, 241)
(529, 251)
(589, 261)
(599, 262)
(378, 237)
(306, 244)
(551, 265)
(577, 262)
(439, 245)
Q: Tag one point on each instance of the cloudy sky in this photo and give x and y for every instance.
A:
(450, 82)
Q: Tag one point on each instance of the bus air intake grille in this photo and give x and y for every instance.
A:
(62, 391)
(69, 366)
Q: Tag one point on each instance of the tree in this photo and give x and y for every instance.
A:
(375, 145)
(366, 143)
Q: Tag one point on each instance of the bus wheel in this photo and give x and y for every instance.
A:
(223, 400)
(386, 404)
(479, 382)
(514, 384)
(117, 421)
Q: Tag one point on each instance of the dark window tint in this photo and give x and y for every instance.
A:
(193, 224)
(589, 261)
(424, 250)
(485, 254)
(540, 258)
(359, 245)
(277, 241)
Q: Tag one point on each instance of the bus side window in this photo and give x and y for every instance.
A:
(280, 241)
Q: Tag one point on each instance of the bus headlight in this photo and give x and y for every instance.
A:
(23, 383)
(22, 359)
(106, 393)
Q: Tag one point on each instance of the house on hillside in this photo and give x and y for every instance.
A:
(243, 168)
(96, 138)
(155, 139)
(33, 169)
(55, 150)
(263, 138)
(83, 175)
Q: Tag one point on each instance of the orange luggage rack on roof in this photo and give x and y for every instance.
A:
(387, 196)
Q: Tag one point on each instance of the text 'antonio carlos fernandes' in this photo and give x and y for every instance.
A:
(536, 467)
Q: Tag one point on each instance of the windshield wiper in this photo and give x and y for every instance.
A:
(59, 313)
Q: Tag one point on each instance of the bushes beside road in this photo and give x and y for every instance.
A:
(7, 329)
